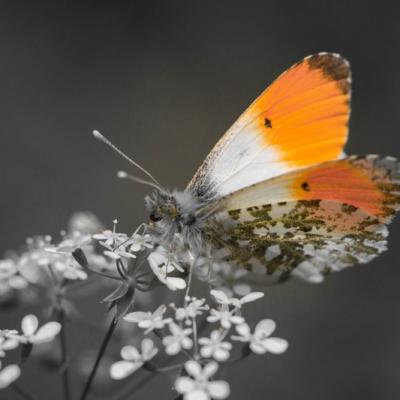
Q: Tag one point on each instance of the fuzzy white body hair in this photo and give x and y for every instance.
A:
(178, 214)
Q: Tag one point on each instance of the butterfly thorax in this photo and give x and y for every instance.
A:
(177, 213)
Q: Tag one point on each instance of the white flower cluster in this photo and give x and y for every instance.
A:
(42, 261)
(176, 330)
(201, 334)
(120, 245)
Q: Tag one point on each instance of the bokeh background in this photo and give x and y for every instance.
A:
(164, 79)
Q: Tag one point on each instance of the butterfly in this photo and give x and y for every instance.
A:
(277, 194)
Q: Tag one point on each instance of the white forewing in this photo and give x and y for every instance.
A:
(299, 121)
(243, 160)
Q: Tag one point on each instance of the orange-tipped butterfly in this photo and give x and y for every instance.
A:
(277, 194)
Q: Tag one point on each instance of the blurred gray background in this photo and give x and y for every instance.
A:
(164, 80)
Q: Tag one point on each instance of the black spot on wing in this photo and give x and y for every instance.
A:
(267, 123)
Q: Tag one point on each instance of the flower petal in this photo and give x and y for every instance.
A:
(121, 369)
(47, 332)
(237, 319)
(9, 344)
(275, 345)
(130, 353)
(257, 347)
(206, 351)
(184, 384)
(148, 349)
(210, 369)
(175, 283)
(253, 296)
(172, 348)
(197, 394)
(219, 389)
(220, 296)
(136, 316)
(9, 375)
(221, 354)
(264, 328)
(243, 330)
(193, 368)
(29, 324)
(160, 311)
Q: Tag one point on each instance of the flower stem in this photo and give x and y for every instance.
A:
(100, 354)
(21, 392)
(189, 283)
(64, 355)
(153, 368)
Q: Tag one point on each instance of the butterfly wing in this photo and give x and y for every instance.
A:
(311, 221)
(299, 121)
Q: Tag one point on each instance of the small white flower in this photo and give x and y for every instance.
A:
(31, 333)
(147, 320)
(160, 256)
(118, 252)
(199, 386)
(178, 340)
(161, 265)
(194, 308)
(225, 317)
(8, 268)
(7, 343)
(140, 242)
(260, 341)
(71, 242)
(133, 359)
(8, 375)
(34, 263)
(63, 261)
(110, 238)
(67, 266)
(9, 275)
(215, 347)
(17, 282)
(222, 298)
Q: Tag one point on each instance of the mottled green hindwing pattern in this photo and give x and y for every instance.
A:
(307, 238)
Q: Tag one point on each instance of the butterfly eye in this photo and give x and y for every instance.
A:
(155, 218)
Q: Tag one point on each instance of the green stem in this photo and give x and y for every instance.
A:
(100, 354)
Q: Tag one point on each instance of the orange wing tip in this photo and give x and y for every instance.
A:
(334, 67)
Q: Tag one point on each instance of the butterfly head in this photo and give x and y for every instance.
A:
(177, 212)
(177, 207)
(162, 206)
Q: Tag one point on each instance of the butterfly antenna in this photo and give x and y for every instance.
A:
(103, 139)
(125, 175)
